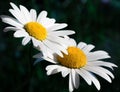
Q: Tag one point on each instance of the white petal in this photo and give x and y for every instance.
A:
(96, 82)
(17, 13)
(99, 72)
(35, 42)
(81, 45)
(71, 88)
(84, 75)
(47, 22)
(49, 53)
(43, 48)
(52, 69)
(92, 78)
(42, 16)
(103, 70)
(25, 40)
(88, 48)
(18, 16)
(14, 6)
(57, 27)
(65, 72)
(33, 14)
(20, 34)
(97, 55)
(10, 29)
(50, 60)
(101, 63)
(60, 40)
(62, 32)
(72, 42)
(52, 47)
(58, 46)
(75, 79)
(49, 67)
(11, 21)
(26, 13)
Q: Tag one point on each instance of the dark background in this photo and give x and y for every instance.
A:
(94, 21)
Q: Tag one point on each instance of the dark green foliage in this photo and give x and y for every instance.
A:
(94, 21)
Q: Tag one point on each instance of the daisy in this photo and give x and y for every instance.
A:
(43, 31)
(81, 62)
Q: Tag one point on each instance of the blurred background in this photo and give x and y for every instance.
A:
(94, 21)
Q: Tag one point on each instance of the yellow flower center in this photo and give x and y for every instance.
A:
(75, 58)
(36, 30)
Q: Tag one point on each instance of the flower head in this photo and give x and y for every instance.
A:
(43, 31)
(80, 61)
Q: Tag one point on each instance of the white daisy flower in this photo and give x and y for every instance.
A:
(81, 62)
(43, 31)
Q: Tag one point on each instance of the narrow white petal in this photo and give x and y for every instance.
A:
(97, 55)
(11, 21)
(71, 88)
(60, 40)
(43, 48)
(88, 48)
(49, 53)
(18, 16)
(25, 40)
(81, 45)
(96, 82)
(58, 46)
(84, 75)
(50, 60)
(47, 22)
(33, 14)
(75, 79)
(107, 72)
(92, 78)
(65, 72)
(10, 29)
(14, 6)
(101, 63)
(72, 42)
(26, 13)
(99, 72)
(35, 42)
(20, 34)
(52, 47)
(49, 67)
(42, 16)
(52, 69)
(57, 26)
(62, 32)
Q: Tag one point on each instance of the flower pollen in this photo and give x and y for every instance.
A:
(36, 30)
(75, 58)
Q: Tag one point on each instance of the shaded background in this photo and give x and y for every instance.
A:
(95, 21)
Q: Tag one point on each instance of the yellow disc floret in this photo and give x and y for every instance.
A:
(36, 30)
(75, 58)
